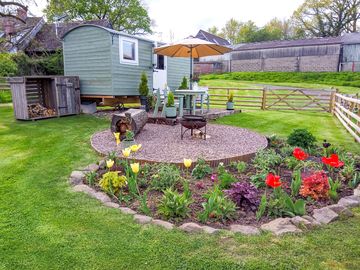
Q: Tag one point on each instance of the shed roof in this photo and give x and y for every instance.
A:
(288, 43)
(111, 31)
(212, 38)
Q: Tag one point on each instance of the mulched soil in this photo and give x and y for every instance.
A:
(161, 143)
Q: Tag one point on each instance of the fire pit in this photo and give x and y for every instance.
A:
(191, 122)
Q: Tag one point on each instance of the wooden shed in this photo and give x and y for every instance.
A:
(109, 63)
(39, 97)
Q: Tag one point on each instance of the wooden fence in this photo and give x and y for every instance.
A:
(4, 85)
(347, 110)
(275, 98)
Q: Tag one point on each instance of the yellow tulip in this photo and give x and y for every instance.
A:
(126, 152)
(135, 147)
(187, 163)
(109, 163)
(117, 137)
(135, 167)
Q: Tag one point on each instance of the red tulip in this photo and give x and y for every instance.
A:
(273, 180)
(300, 154)
(333, 161)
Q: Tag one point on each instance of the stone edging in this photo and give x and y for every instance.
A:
(277, 227)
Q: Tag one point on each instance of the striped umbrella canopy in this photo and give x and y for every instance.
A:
(193, 48)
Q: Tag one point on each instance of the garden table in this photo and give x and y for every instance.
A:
(190, 98)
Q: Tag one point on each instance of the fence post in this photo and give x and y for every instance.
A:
(263, 102)
(332, 101)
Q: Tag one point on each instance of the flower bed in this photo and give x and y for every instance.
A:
(282, 181)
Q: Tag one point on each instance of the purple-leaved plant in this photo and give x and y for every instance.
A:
(245, 195)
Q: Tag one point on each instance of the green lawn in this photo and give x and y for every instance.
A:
(43, 225)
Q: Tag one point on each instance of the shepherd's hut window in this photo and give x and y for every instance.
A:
(129, 51)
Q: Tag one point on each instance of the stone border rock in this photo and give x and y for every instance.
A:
(277, 227)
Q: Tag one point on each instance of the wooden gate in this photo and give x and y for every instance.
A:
(68, 95)
(297, 99)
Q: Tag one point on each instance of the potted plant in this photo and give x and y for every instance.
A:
(184, 84)
(129, 139)
(230, 102)
(170, 110)
(144, 91)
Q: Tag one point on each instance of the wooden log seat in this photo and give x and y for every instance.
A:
(132, 119)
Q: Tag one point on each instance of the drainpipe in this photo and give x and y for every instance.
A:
(341, 55)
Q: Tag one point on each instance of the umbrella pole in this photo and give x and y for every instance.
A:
(191, 68)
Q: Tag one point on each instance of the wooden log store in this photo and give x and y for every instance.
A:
(40, 97)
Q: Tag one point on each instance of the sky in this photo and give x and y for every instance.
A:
(175, 19)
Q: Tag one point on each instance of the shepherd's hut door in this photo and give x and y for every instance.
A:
(160, 72)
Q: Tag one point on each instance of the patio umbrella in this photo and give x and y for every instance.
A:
(193, 48)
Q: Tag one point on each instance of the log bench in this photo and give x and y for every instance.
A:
(133, 120)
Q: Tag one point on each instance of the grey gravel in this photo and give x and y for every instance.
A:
(162, 143)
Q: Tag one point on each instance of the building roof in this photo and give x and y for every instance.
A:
(288, 43)
(23, 33)
(351, 38)
(47, 39)
(212, 38)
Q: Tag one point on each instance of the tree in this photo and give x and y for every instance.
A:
(325, 18)
(231, 31)
(213, 30)
(125, 15)
(279, 29)
(9, 9)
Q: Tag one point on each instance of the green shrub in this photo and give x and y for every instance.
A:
(292, 162)
(170, 100)
(226, 179)
(217, 206)
(111, 182)
(175, 205)
(201, 169)
(90, 178)
(241, 166)
(7, 66)
(166, 176)
(266, 160)
(184, 84)
(143, 86)
(258, 180)
(301, 138)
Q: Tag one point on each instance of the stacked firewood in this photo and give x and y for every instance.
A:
(37, 110)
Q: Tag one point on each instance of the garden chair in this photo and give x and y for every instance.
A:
(202, 100)
(161, 100)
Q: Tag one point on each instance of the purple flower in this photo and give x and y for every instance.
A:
(214, 178)
(245, 195)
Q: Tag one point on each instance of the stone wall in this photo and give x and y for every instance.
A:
(319, 63)
(246, 65)
(288, 64)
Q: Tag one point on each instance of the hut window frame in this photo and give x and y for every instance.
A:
(134, 58)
